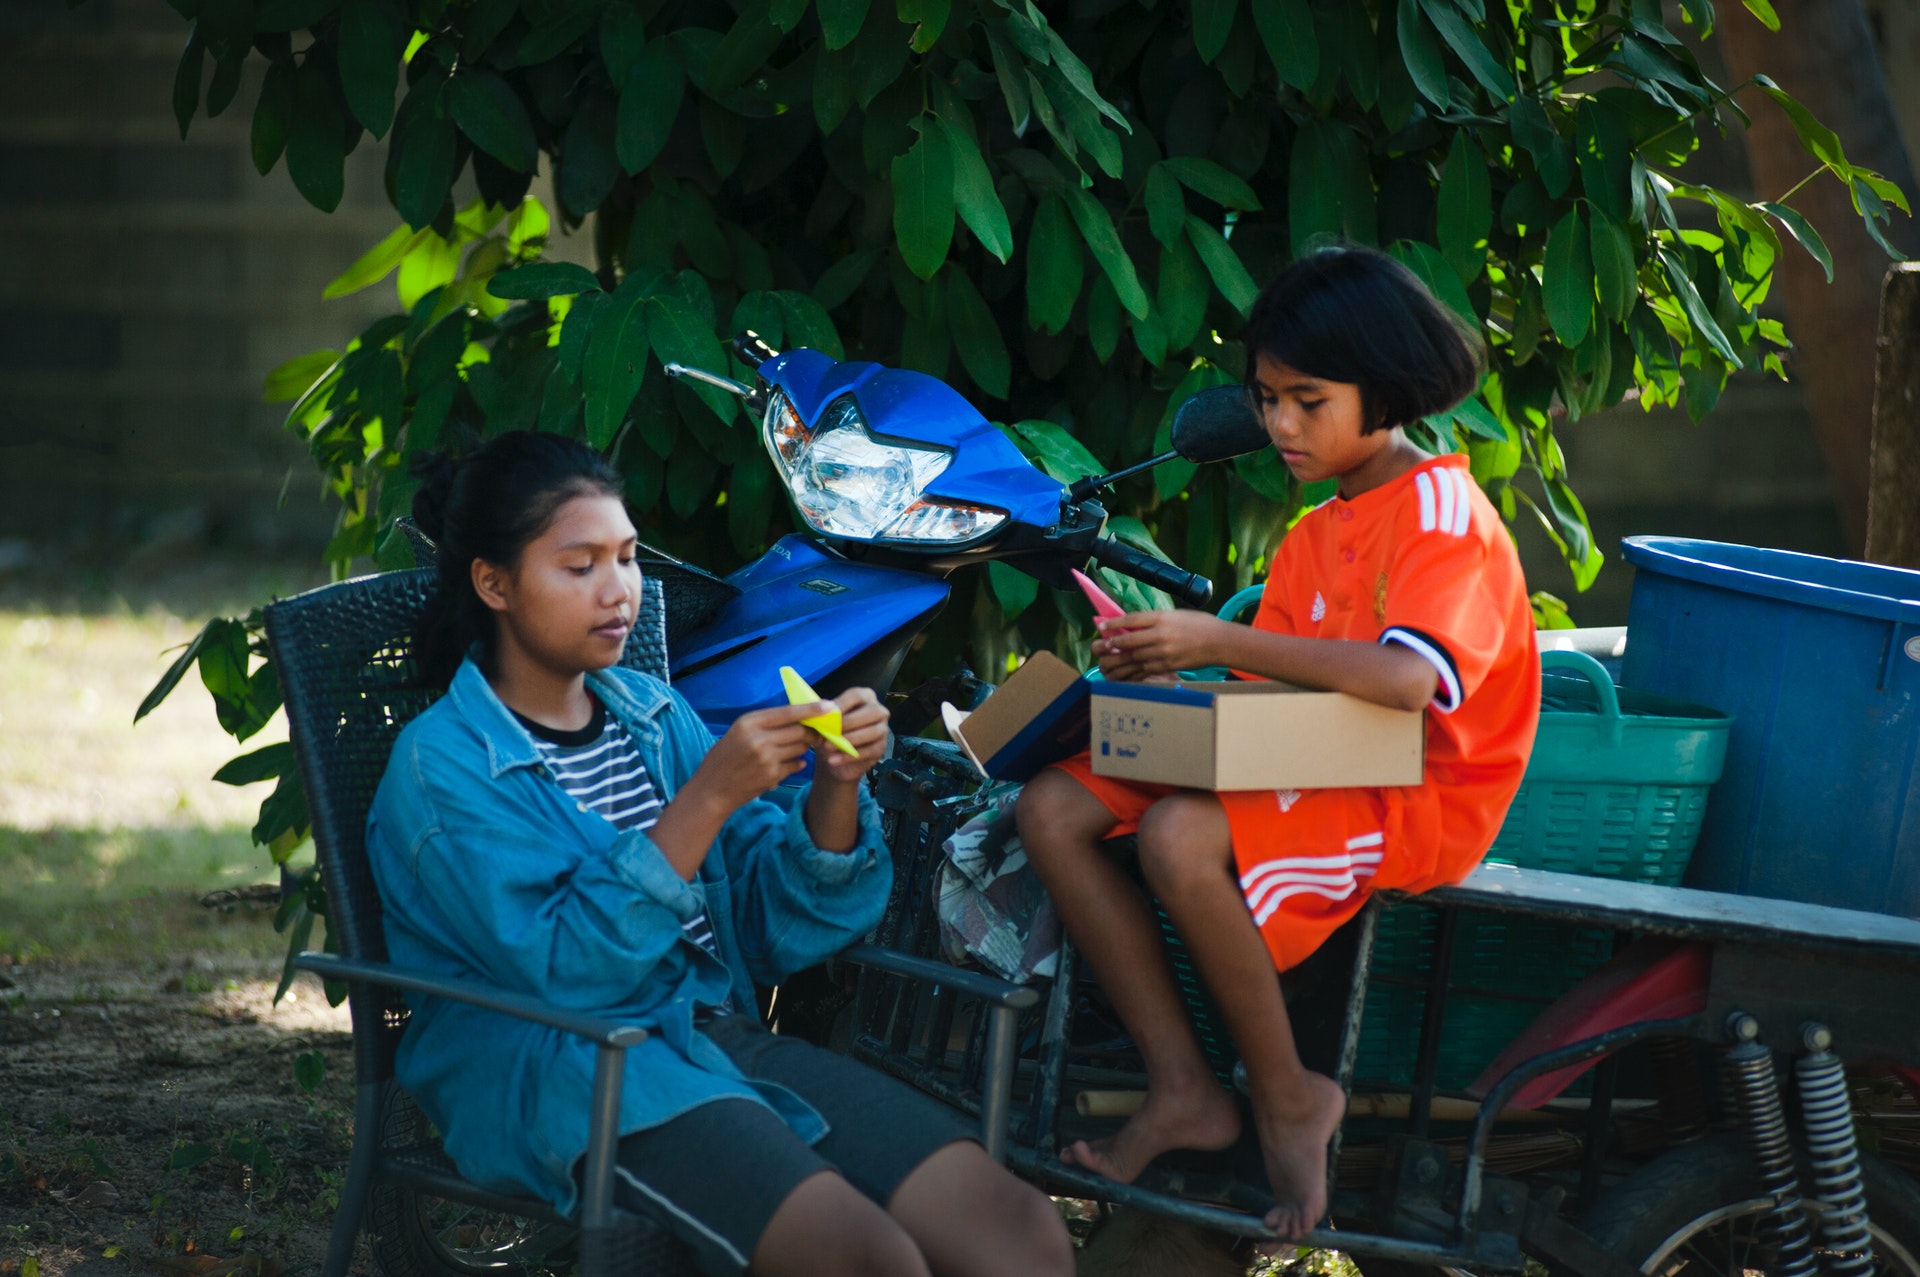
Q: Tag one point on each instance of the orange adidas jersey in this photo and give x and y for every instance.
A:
(1424, 561)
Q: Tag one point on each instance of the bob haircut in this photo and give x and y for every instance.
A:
(1356, 315)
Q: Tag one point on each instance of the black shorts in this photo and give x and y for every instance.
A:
(716, 1174)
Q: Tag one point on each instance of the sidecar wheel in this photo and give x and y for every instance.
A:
(1693, 1212)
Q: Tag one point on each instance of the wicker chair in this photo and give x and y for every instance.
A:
(344, 652)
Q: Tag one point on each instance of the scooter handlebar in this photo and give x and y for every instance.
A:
(1188, 587)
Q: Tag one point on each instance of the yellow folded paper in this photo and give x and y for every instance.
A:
(828, 725)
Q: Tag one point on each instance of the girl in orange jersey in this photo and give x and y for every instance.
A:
(1404, 590)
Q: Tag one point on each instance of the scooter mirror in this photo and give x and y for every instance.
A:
(1217, 424)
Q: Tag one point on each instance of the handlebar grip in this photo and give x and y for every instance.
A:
(1188, 587)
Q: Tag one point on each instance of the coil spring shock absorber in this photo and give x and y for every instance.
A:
(1755, 1094)
(1826, 1107)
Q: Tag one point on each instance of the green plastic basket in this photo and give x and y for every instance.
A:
(1617, 785)
(1616, 788)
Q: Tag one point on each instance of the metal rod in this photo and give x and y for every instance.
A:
(996, 1100)
(1599, 1118)
(1086, 486)
(1083, 1183)
(1054, 1032)
(1540, 1065)
(368, 1099)
(727, 384)
(603, 1133)
(1433, 1014)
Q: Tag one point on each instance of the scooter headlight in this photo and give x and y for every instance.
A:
(847, 482)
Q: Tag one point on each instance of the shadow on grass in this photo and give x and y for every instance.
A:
(118, 895)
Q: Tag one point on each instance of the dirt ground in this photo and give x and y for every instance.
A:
(151, 1119)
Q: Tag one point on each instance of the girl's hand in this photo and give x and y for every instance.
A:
(759, 751)
(1149, 645)
(863, 721)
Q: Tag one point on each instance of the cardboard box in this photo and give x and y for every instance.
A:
(1246, 735)
(1038, 716)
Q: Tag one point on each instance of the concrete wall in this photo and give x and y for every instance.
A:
(147, 285)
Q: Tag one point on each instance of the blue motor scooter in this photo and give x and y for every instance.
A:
(900, 481)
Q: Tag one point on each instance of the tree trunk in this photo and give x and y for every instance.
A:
(1823, 55)
(1893, 508)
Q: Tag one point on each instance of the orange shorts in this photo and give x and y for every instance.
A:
(1308, 859)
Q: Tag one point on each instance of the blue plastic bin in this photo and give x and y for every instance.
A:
(1818, 662)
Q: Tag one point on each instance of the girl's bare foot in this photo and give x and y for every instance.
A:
(1293, 1142)
(1197, 1116)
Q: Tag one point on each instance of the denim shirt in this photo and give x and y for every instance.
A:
(488, 870)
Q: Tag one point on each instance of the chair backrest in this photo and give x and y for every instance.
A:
(347, 672)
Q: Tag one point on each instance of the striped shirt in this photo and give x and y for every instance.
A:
(601, 769)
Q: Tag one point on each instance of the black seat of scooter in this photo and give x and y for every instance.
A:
(1681, 911)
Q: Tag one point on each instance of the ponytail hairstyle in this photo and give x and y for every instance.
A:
(490, 506)
(1356, 315)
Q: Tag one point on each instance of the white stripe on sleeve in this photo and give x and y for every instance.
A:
(1463, 508)
(1424, 483)
(1447, 699)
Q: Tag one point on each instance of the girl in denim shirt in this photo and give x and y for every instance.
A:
(564, 828)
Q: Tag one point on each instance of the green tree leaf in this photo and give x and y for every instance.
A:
(371, 37)
(1205, 178)
(1567, 288)
(186, 79)
(1802, 231)
(973, 194)
(841, 20)
(1013, 589)
(1420, 47)
(316, 144)
(1229, 275)
(923, 200)
(1820, 141)
(615, 362)
(623, 34)
(1096, 227)
(809, 325)
(1465, 209)
(1763, 11)
(1011, 72)
(1166, 206)
(1286, 29)
(1613, 267)
(649, 103)
(490, 113)
(1062, 456)
(1440, 278)
(266, 763)
(1183, 292)
(272, 116)
(680, 327)
(587, 165)
(426, 145)
(1698, 315)
(293, 378)
(1466, 44)
(1330, 191)
(1212, 23)
(1055, 266)
(1103, 318)
(1605, 158)
(838, 281)
(976, 334)
(928, 18)
(540, 280)
(747, 46)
